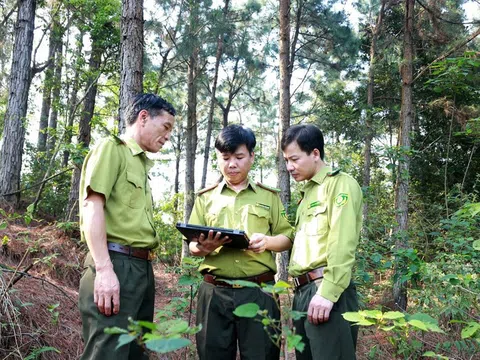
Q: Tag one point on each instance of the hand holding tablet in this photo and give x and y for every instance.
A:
(238, 238)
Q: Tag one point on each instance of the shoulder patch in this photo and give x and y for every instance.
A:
(334, 172)
(208, 188)
(269, 188)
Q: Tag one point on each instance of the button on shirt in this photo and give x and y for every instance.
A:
(254, 210)
(328, 224)
(118, 169)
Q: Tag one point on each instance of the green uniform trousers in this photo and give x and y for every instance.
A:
(335, 339)
(137, 296)
(221, 329)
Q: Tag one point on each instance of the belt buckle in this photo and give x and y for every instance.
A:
(237, 286)
(296, 282)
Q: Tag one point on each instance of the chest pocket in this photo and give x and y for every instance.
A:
(258, 220)
(135, 191)
(217, 216)
(316, 220)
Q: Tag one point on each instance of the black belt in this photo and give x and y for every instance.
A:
(258, 279)
(144, 254)
(308, 277)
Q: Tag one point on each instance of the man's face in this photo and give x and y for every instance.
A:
(235, 166)
(300, 165)
(155, 131)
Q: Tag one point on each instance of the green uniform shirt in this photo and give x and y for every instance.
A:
(254, 210)
(328, 224)
(119, 170)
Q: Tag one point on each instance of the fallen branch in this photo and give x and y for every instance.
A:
(21, 275)
(43, 280)
(38, 184)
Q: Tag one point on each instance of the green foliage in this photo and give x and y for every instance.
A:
(165, 216)
(35, 354)
(163, 337)
(277, 329)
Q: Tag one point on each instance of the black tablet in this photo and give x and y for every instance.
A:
(239, 238)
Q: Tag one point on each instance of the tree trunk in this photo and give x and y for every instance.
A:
(285, 75)
(57, 82)
(47, 95)
(15, 115)
(212, 101)
(85, 128)
(191, 133)
(131, 56)
(401, 191)
(369, 120)
(72, 103)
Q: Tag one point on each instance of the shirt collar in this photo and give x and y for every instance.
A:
(224, 184)
(318, 178)
(135, 149)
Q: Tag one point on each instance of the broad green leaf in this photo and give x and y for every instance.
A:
(388, 328)
(178, 328)
(418, 324)
(392, 315)
(147, 324)
(469, 330)
(295, 342)
(124, 339)
(352, 316)
(374, 314)
(241, 283)
(115, 330)
(249, 310)
(163, 346)
(296, 315)
(365, 322)
(476, 245)
(282, 285)
(186, 280)
(3, 225)
(30, 208)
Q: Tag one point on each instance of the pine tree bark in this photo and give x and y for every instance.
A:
(85, 128)
(285, 76)
(191, 131)
(402, 184)
(131, 56)
(15, 115)
(57, 83)
(218, 57)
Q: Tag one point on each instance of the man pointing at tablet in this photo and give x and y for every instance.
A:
(237, 203)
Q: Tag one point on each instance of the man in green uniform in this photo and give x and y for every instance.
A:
(238, 203)
(117, 224)
(328, 224)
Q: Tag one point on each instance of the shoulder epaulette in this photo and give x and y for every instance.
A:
(208, 188)
(269, 188)
(117, 139)
(333, 173)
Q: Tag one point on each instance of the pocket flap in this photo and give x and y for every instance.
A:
(135, 179)
(259, 211)
(317, 210)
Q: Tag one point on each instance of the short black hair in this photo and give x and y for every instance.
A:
(233, 136)
(307, 136)
(154, 104)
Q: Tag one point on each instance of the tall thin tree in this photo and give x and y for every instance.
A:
(402, 185)
(15, 116)
(218, 57)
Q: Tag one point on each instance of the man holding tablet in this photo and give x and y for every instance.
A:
(237, 203)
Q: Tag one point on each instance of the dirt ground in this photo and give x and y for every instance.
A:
(40, 310)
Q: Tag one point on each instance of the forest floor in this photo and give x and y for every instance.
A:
(40, 310)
